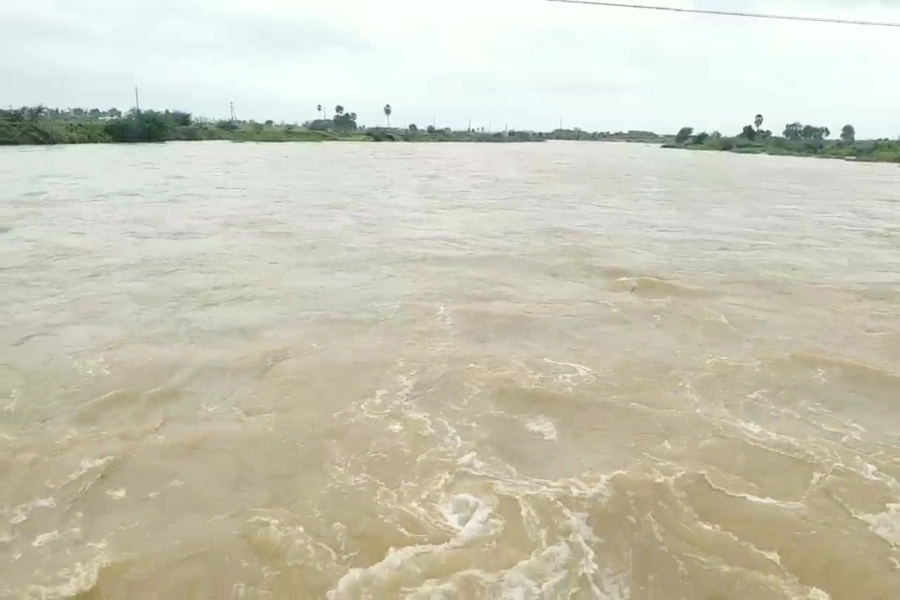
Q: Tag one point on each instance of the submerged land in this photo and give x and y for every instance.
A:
(38, 125)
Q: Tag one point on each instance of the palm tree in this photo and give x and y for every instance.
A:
(338, 110)
(319, 111)
(758, 121)
(387, 113)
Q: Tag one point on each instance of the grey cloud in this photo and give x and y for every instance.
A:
(527, 63)
(165, 28)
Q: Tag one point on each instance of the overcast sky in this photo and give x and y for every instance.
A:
(521, 63)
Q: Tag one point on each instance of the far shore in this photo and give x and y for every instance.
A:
(39, 125)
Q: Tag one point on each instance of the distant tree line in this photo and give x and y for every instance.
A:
(795, 132)
(796, 139)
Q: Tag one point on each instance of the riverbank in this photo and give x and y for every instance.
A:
(883, 151)
(41, 126)
(163, 127)
(40, 134)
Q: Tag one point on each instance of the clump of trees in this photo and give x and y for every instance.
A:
(146, 126)
(342, 121)
(797, 131)
(797, 139)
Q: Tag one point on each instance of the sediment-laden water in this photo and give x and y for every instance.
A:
(447, 371)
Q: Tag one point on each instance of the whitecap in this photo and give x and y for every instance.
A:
(542, 426)
(885, 525)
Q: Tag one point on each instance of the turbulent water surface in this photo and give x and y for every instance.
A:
(447, 371)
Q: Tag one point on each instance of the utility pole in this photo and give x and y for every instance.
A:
(137, 99)
(233, 116)
(470, 124)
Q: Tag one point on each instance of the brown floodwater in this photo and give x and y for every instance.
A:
(359, 371)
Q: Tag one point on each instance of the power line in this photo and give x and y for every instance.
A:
(725, 13)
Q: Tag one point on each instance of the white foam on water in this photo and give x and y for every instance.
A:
(80, 577)
(751, 427)
(469, 515)
(14, 397)
(444, 317)
(538, 576)
(86, 466)
(117, 494)
(770, 555)
(581, 371)
(44, 538)
(542, 426)
(771, 502)
(766, 501)
(356, 580)
(23, 511)
(872, 473)
(885, 525)
(291, 537)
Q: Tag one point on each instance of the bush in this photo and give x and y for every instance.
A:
(684, 134)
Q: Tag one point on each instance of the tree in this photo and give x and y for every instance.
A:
(339, 110)
(431, 129)
(749, 132)
(683, 134)
(180, 118)
(387, 113)
(413, 128)
(115, 113)
(270, 123)
(146, 126)
(848, 134)
(344, 121)
(809, 132)
(78, 112)
(700, 138)
(825, 132)
(758, 121)
(36, 112)
(793, 131)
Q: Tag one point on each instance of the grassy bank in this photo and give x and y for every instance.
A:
(797, 140)
(37, 126)
(864, 151)
(46, 132)
(41, 126)
(143, 127)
